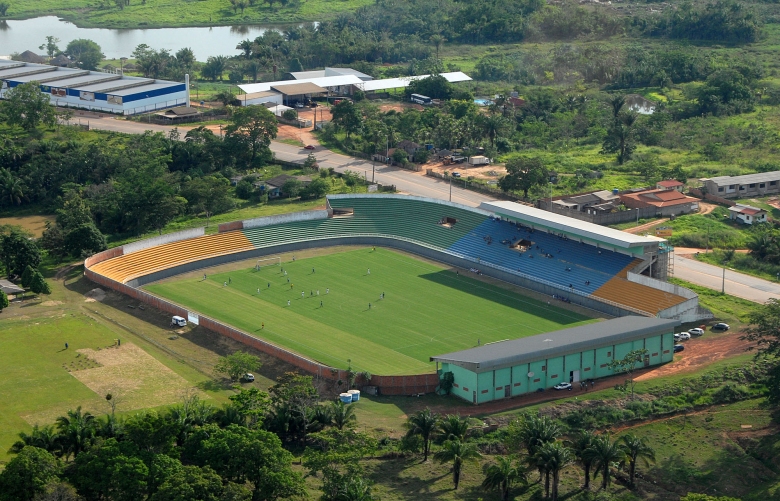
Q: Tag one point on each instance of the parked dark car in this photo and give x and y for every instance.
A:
(678, 348)
(721, 326)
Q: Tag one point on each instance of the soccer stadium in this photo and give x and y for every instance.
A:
(384, 284)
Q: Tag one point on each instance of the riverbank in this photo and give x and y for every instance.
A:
(179, 13)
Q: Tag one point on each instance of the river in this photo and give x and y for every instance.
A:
(29, 34)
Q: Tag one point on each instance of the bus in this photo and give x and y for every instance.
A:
(420, 99)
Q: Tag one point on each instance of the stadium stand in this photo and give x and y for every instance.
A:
(143, 262)
(568, 264)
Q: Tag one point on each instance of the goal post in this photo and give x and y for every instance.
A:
(268, 261)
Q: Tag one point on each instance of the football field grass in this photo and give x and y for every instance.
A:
(427, 309)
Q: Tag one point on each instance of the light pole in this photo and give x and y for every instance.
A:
(723, 283)
(122, 65)
(550, 207)
(450, 187)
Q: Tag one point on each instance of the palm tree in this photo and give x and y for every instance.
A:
(553, 457)
(342, 415)
(603, 453)
(45, 438)
(437, 40)
(616, 103)
(77, 430)
(454, 427)
(636, 449)
(502, 475)
(11, 190)
(457, 453)
(580, 445)
(423, 423)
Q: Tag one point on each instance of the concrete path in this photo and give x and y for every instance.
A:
(405, 181)
(737, 284)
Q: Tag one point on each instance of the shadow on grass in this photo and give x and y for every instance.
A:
(503, 297)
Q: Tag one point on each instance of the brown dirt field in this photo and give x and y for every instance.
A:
(33, 224)
(466, 170)
(700, 352)
(644, 227)
(705, 208)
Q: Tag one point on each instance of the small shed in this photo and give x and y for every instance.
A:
(273, 186)
(410, 147)
(180, 114)
(10, 288)
(747, 214)
(670, 184)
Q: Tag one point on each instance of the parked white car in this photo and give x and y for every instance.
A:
(696, 331)
(685, 336)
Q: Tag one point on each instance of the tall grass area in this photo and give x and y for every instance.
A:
(727, 308)
(710, 230)
(742, 262)
(172, 13)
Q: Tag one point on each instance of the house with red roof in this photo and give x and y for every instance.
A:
(667, 201)
(670, 184)
(747, 214)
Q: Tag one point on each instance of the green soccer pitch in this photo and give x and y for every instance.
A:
(427, 310)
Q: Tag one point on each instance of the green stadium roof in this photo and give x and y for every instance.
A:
(557, 343)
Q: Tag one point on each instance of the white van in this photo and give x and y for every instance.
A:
(178, 321)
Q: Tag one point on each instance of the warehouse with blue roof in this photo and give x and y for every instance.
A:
(94, 90)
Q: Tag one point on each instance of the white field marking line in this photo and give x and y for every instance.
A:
(296, 342)
(514, 296)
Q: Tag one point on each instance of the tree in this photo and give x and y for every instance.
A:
(347, 116)
(434, 86)
(18, 250)
(214, 68)
(603, 454)
(239, 454)
(11, 188)
(493, 126)
(39, 285)
(457, 453)
(209, 194)
(51, 46)
(45, 438)
(342, 415)
(292, 188)
(290, 114)
(637, 449)
(77, 430)
(3, 300)
(110, 471)
(27, 276)
(4, 8)
(226, 98)
(84, 240)
(292, 396)
(551, 458)
(764, 330)
(437, 40)
(337, 454)
(190, 483)
(423, 424)
(523, 173)
(400, 156)
(503, 476)
(252, 127)
(620, 137)
(582, 442)
(454, 427)
(27, 107)
(28, 474)
(318, 188)
(237, 364)
(86, 53)
(628, 365)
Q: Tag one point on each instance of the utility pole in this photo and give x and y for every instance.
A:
(450, 188)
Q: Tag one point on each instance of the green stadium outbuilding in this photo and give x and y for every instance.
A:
(510, 368)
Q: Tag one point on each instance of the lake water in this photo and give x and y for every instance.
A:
(29, 34)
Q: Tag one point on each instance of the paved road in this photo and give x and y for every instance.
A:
(736, 284)
(405, 181)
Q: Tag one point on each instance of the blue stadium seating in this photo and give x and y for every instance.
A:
(586, 262)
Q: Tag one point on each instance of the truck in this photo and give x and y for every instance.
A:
(453, 159)
(479, 160)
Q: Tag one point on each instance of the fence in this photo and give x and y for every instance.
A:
(713, 198)
(472, 186)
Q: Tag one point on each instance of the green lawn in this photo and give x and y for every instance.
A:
(427, 310)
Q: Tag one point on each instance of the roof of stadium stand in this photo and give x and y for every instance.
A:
(368, 86)
(397, 83)
(569, 225)
(322, 82)
(557, 343)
